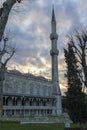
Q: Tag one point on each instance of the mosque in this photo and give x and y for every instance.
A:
(29, 95)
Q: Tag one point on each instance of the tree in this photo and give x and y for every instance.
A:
(4, 14)
(75, 98)
(79, 44)
(6, 53)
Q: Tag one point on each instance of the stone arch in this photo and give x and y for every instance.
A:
(37, 102)
(48, 102)
(41, 102)
(9, 101)
(26, 101)
(34, 102)
(18, 101)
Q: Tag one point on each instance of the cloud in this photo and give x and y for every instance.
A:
(30, 23)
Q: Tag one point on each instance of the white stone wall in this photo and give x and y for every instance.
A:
(20, 84)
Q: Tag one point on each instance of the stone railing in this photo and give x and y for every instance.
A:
(28, 107)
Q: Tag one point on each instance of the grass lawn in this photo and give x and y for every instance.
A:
(12, 126)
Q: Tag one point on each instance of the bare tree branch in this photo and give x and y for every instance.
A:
(12, 53)
(80, 45)
(75, 47)
(4, 14)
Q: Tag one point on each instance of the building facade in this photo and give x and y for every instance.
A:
(29, 95)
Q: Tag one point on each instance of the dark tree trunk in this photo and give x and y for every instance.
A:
(1, 91)
(7, 6)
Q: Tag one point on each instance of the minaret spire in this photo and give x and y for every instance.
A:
(53, 14)
(53, 21)
(54, 55)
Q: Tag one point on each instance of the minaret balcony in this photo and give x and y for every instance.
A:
(54, 52)
(53, 36)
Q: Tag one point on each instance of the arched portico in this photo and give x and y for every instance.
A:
(27, 106)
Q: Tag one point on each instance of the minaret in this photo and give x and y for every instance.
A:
(54, 55)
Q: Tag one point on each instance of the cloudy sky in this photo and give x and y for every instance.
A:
(29, 27)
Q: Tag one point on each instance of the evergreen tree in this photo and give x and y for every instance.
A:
(75, 98)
